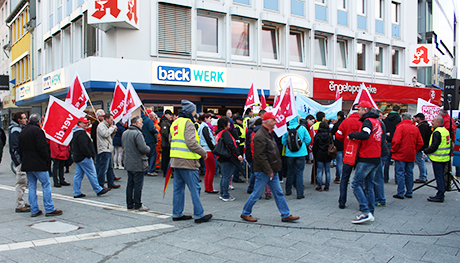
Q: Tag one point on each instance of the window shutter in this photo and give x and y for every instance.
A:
(174, 29)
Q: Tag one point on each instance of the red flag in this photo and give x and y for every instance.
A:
(77, 95)
(59, 121)
(363, 95)
(132, 102)
(263, 102)
(285, 110)
(167, 179)
(118, 102)
(252, 98)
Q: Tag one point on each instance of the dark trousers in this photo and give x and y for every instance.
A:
(439, 170)
(165, 159)
(58, 171)
(152, 157)
(134, 189)
(346, 172)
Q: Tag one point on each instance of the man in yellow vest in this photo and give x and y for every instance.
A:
(439, 153)
(185, 159)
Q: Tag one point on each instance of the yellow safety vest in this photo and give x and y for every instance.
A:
(245, 123)
(178, 147)
(442, 154)
(242, 133)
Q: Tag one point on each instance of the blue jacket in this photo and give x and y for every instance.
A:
(117, 138)
(148, 129)
(304, 137)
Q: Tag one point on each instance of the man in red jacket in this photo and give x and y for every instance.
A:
(407, 141)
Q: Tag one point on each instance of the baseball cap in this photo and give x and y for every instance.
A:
(420, 115)
(83, 119)
(364, 104)
(268, 115)
(168, 112)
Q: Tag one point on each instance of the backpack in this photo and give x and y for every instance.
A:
(294, 143)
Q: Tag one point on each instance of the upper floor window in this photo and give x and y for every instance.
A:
(207, 34)
(342, 4)
(321, 50)
(270, 42)
(342, 54)
(320, 1)
(378, 59)
(174, 29)
(395, 62)
(246, 2)
(271, 5)
(361, 7)
(296, 46)
(361, 56)
(395, 12)
(379, 9)
(240, 38)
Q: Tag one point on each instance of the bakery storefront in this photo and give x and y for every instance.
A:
(384, 95)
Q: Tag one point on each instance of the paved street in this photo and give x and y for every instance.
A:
(404, 231)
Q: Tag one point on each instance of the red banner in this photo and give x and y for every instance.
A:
(326, 89)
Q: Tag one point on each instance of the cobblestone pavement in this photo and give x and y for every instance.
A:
(404, 231)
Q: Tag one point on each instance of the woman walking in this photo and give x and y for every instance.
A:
(322, 158)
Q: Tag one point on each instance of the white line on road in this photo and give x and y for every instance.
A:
(94, 235)
(94, 203)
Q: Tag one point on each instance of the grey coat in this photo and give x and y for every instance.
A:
(136, 149)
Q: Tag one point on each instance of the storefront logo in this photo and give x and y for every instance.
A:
(299, 83)
(348, 88)
(26, 91)
(114, 13)
(192, 75)
(53, 81)
(101, 8)
(421, 55)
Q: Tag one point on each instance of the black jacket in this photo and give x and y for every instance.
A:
(338, 144)
(165, 125)
(15, 130)
(82, 147)
(391, 121)
(34, 149)
(434, 143)
(425, 131)
(94, 134)
(228, 140)
(385, 151)
(321, 145)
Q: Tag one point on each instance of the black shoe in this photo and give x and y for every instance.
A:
(67, 171)
(398, 197)
(57, 185)
(249, 192)
(238, 181)
(342, 206)
(205, 218)
(184, 217)
(212, 192)
(435, 199)
(408, 196)
(301, 197)
(80, 195)
(288, 194)
(268, 197)
(65, 183)
(103, 191)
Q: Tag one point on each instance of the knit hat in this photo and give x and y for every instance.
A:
(168, 112)
(188, 106)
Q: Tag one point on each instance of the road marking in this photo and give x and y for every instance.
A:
(94, 203)
(66, 239)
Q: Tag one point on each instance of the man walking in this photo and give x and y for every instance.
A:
(165, 125)
(105, 133)
(405, 145)
(439, 153)
(425, 131)
(267, 160)
(368, 161)
(36, 160)
(83, 154)
(136, 163)
(185, 159)
(16, 125)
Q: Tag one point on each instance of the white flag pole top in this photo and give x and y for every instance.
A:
(363, 95)
(77, 89)
(132, 102)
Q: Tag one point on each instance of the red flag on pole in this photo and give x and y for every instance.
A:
(77, 95)
(252, 98)
(167, 179)
(263, 102)
(59, 121)
(132, 102)
(363, 95)
(118, 102)
(285, 110)
(337, 94)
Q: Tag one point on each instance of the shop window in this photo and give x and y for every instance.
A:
(174, 29)
(298, 7)
(395, 12)
(270, 42)
(342, 54)
(240, 38)
(207, 34)
(395, 61)
(378, 59)
(296, 46)
(361, 56)
(320, 50)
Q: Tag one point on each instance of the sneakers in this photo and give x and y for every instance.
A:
(380, 204)
(22, 209)
(319, 189)
(204, 219)
(230, 199)
(326, 188)
(230, 187)
(103, 191)
(268, 197)
(121, 167)
(363, 218)
(54, 213)
(142, 209)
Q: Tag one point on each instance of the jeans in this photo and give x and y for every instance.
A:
(105, 168)
(404, 173)
(190, 178)
(346, 173)
(379, 185)
(421, 166)
(252, 178)
(363, 186)
(44, 178)
(134, 189)
(296, 166)
(85, 167)
(152, 157)
(58, 171)
(386, 169)
(20, 186)
(210, 165)
(226, 169)
(262, 179)
(320, 167)
(438, 169)
(338, 166)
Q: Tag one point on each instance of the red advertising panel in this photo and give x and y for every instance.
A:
(326, 89)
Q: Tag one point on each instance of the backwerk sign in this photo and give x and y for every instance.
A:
(188, 75)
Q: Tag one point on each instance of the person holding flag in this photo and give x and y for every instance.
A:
(105, 133)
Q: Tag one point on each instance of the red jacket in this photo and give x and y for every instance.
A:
(407, 141)
(59, 151)
(349, 125)
(447, 119)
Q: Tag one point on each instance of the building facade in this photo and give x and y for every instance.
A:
(211, 51)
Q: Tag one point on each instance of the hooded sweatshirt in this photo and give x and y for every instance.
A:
(303, 136)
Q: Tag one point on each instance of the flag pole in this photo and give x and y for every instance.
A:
(90, 103)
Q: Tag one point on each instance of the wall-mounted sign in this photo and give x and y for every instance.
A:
(188, 75)
(53, 81)
(106, 14)
(9, 102)
(4, 82)
(421, 55)
(26, 91)
(299, 83)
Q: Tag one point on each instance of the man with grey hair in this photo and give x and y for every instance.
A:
(439, 153)
(36, 159)
(406, 142)
(136, 163)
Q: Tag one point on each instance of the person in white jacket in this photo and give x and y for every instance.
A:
(105, 133)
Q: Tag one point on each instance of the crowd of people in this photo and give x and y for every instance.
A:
(236, 147)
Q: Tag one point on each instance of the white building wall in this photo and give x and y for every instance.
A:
(4, 40)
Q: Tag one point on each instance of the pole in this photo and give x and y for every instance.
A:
(90, 103)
